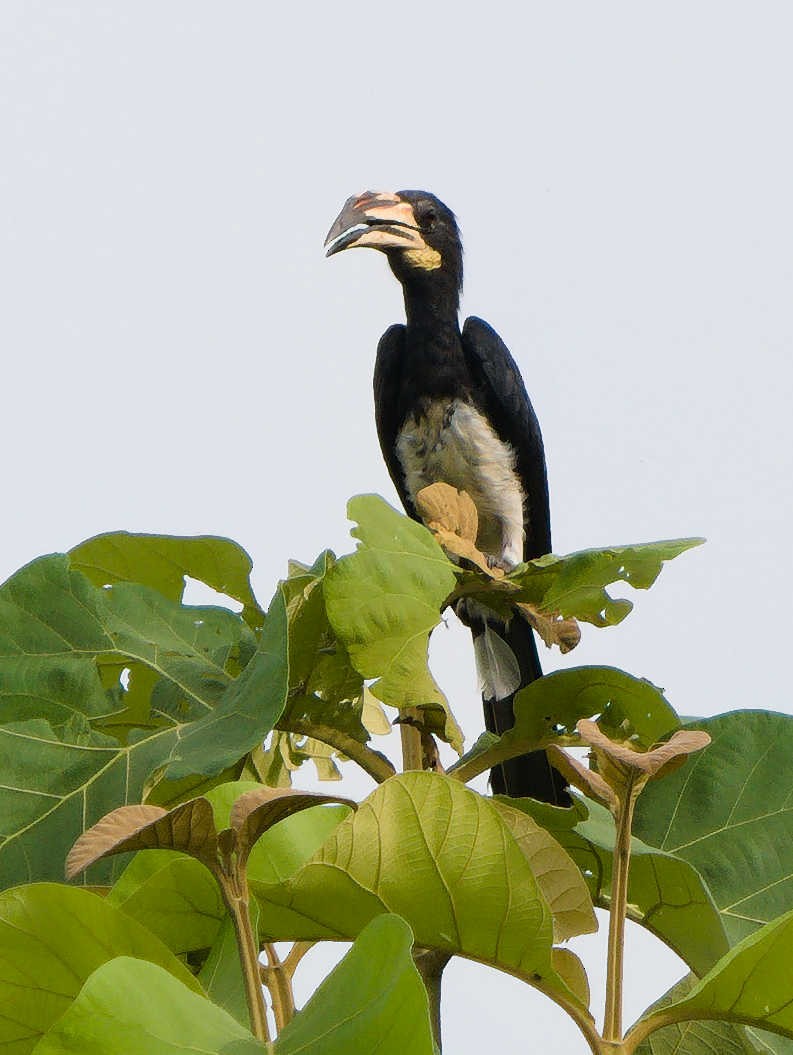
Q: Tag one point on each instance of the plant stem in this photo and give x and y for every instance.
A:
(430, 964)
(372, 762)
(279, 984)
(235, 893)
(612, 1021)
(296, 954)
(412, 753)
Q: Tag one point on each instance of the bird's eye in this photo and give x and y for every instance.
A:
(428, 219)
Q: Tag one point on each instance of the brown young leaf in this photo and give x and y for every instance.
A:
(581, 777)
(554, 630)
(650, 764)
(444, 508)
(452, 517)
(189, 827)
(257, 810)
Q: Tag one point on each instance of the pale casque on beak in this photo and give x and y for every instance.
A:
(375, 220)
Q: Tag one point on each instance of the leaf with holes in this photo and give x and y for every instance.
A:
(163, 561)
(573, 586)
(554, 704)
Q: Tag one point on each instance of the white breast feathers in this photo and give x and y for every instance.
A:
(454, 442)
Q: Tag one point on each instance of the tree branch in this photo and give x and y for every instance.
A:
(372, 762)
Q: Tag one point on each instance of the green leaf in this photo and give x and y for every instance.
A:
(559, 880)
(319, 665)
(174, 896)
(36, 687)
(729, 813)
(373, 1003)
(163, 561)
(550, 706)
(50, 623)
(284, 849)
(157, 1015)
(698, 1037)
(248, 709)
(437, 854)
(384, 600)
(51, 939)
(324, 709)
(752, 984)
(665, 894)
(52, 615)
(63, 645)
(52, 790)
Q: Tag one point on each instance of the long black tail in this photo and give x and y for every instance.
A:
(507, 660)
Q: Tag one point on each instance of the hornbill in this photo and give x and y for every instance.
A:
(451, 406)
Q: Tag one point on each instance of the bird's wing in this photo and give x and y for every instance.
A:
(508, 409)
(387, 373)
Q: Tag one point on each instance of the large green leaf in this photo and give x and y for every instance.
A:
(36, 687)
(560, 882)
(52, 790)
(752, 984)
(442, 857)
(50, 613)
(51, 939)
(64, 642)
(729, 812)
(700, 1037)
(63, 645)
(163, 561)
(50, 624)
(374, 1002)
(384, 600)
(632, 707)
(285, 848)
(130, 1007)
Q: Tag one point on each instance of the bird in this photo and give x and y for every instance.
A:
(451, 406)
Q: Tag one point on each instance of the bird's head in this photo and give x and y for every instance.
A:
(415, 230)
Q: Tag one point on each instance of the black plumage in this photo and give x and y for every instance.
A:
(450, 404)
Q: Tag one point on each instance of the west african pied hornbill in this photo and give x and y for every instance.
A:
(451, 406)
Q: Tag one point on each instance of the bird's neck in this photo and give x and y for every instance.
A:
(433, 364)
(431, 308)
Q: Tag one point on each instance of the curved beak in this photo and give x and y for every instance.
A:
(374, 220)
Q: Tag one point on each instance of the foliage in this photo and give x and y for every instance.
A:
(153, 743)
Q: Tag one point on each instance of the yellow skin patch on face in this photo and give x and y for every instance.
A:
(426, 258)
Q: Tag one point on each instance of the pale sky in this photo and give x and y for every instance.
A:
(179, 357)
